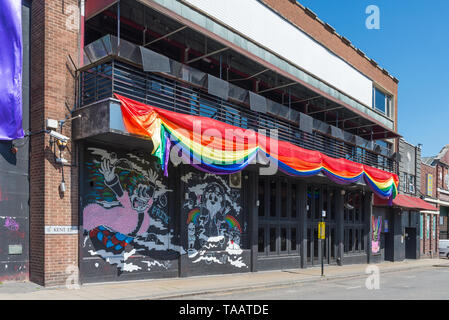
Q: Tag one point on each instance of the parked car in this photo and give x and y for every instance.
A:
(443, 247)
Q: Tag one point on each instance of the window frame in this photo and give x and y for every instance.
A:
(388, 103)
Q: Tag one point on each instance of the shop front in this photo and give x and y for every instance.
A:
(152, 206)
(399, 226)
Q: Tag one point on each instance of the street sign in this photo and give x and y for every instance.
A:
(321, 230)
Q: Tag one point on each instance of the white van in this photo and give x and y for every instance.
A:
(443, 247)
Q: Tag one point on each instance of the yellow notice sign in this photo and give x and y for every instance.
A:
(321, 230)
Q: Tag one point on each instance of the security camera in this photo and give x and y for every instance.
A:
(59, 136)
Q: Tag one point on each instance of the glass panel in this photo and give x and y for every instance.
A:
(324, 195)
(333, 207)
(272, 239)
(345, 235)
(261, 197)
(316, 197)
(309, 241)
(309, 202)
(261, 241)
(350, 240)
(283, 239)
(273, 198)
(380, 103)
(332, 241)
(315, 243)
(362, 239)
(356, 246)
(293, 239)
(284, 199)
(293, 197)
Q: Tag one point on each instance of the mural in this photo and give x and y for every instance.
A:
(212, 213)
(125, 216)
(377, 229)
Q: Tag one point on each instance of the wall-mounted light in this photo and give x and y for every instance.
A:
(62, 186)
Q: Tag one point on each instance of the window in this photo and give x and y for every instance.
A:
(283, 239)
(284, 191)
(293, 201)
(293, 239)
(261, 242)
(272, 239)
(382, 102)
(404, 182)
(273, 185)
(411, 184)
(261, 198)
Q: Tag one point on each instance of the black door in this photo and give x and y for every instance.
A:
(410, 243)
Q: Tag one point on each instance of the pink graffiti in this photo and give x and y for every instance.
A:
(121, 219)
(11, 224)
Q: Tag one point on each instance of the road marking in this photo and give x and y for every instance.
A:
(357, 287)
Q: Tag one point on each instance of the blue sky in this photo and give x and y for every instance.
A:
(413, 45)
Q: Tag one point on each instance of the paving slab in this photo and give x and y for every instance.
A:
(179, 287)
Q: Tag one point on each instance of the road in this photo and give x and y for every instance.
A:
(421, 283)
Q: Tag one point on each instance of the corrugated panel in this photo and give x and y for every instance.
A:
(273, 32)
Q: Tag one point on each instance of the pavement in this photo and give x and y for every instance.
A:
(195, 286)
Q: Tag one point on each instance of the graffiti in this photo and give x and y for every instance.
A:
(126, 212)
(11, 224)
(213, 232)
(377, 229)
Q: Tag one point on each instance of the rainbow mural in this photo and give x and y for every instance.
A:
(206, 144)
(232, 222)
(193, 216)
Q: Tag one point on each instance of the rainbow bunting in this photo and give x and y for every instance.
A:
(208, 145)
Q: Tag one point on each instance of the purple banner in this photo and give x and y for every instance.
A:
(11, 70)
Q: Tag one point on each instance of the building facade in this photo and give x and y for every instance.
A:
(404, 235)
(123, 78)
(435, 189)
(14, 180)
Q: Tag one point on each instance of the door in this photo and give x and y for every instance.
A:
(410, 243)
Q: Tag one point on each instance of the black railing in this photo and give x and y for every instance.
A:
(101, 81)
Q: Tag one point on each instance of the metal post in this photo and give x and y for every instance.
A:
(322, 246)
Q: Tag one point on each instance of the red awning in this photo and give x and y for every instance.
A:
(404, 201)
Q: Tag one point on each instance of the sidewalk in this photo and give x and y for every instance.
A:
(179, 287)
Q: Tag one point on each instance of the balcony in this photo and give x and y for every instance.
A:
(187, 90)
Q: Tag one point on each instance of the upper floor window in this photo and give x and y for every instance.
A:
(382, 102)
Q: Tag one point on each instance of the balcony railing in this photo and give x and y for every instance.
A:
(113, 76)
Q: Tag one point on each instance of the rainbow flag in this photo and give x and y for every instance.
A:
(216, 147)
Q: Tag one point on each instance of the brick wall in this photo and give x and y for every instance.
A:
(430, 244)
(52, 85)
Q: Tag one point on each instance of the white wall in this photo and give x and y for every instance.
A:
(257, 22)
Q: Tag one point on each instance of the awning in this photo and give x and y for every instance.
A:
(217, 147)
(404, 201)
